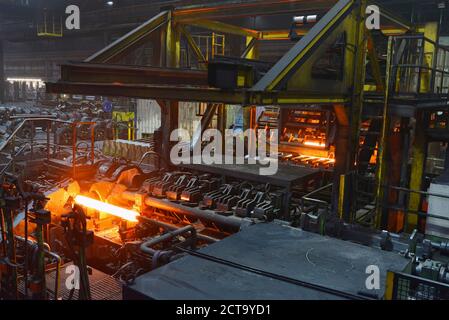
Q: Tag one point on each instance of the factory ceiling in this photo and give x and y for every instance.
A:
(18, 18)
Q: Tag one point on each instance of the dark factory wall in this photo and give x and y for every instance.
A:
(32, 56)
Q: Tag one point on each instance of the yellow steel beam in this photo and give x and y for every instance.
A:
(393, 31)
(419, 152)
(172, 44)
(382, 168)
(129, 40)
(280, 34)
(358, 80)
(251, 51)
(193, 45)
(341, 196)
(375, 66)
(290, 98)
(222, 27)
(304, 46)
(370, 88)
(430, 31)
(389, 286)
(310, 100)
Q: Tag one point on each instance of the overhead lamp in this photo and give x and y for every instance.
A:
(305, 19)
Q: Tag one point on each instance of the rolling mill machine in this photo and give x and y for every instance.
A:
(340, 98)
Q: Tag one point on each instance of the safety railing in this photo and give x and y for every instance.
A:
(403, 204)
(314, 203)
(420, 66)
(32, 142)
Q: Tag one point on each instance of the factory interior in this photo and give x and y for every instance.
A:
(224, 150)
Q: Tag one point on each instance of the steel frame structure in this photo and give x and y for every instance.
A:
(287, 83)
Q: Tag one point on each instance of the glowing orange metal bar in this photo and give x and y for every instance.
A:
(126, 214)
(314, 144)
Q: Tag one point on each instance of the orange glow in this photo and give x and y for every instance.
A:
(126, 214)
(311, 158)
(314, 144)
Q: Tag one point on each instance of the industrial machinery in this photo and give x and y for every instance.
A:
(307, 136)
(125, 222)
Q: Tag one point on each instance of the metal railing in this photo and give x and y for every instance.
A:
(32, 142)
(310, 203)
(404, 198)
(420, 66)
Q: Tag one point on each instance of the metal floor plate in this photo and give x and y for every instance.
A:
(273, 248)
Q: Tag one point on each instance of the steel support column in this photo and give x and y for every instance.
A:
(170, 114)
(222, 121)
(382, 167)
(252, 49)
(419, 154)
(375, 66)
(172, 44)
(358, 84)
(341, 201)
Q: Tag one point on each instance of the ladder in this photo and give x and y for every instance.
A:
(368, 162)
(373, 132)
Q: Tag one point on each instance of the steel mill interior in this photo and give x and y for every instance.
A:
(224, 150)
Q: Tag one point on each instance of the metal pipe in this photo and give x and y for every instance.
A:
(174, 227)
(231, 221)
(318, 190)
(418, 192)
(31, 116)
(146, 247)
(315, 201)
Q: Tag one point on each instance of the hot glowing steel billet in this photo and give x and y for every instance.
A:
(314, 144)
(126, 214)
